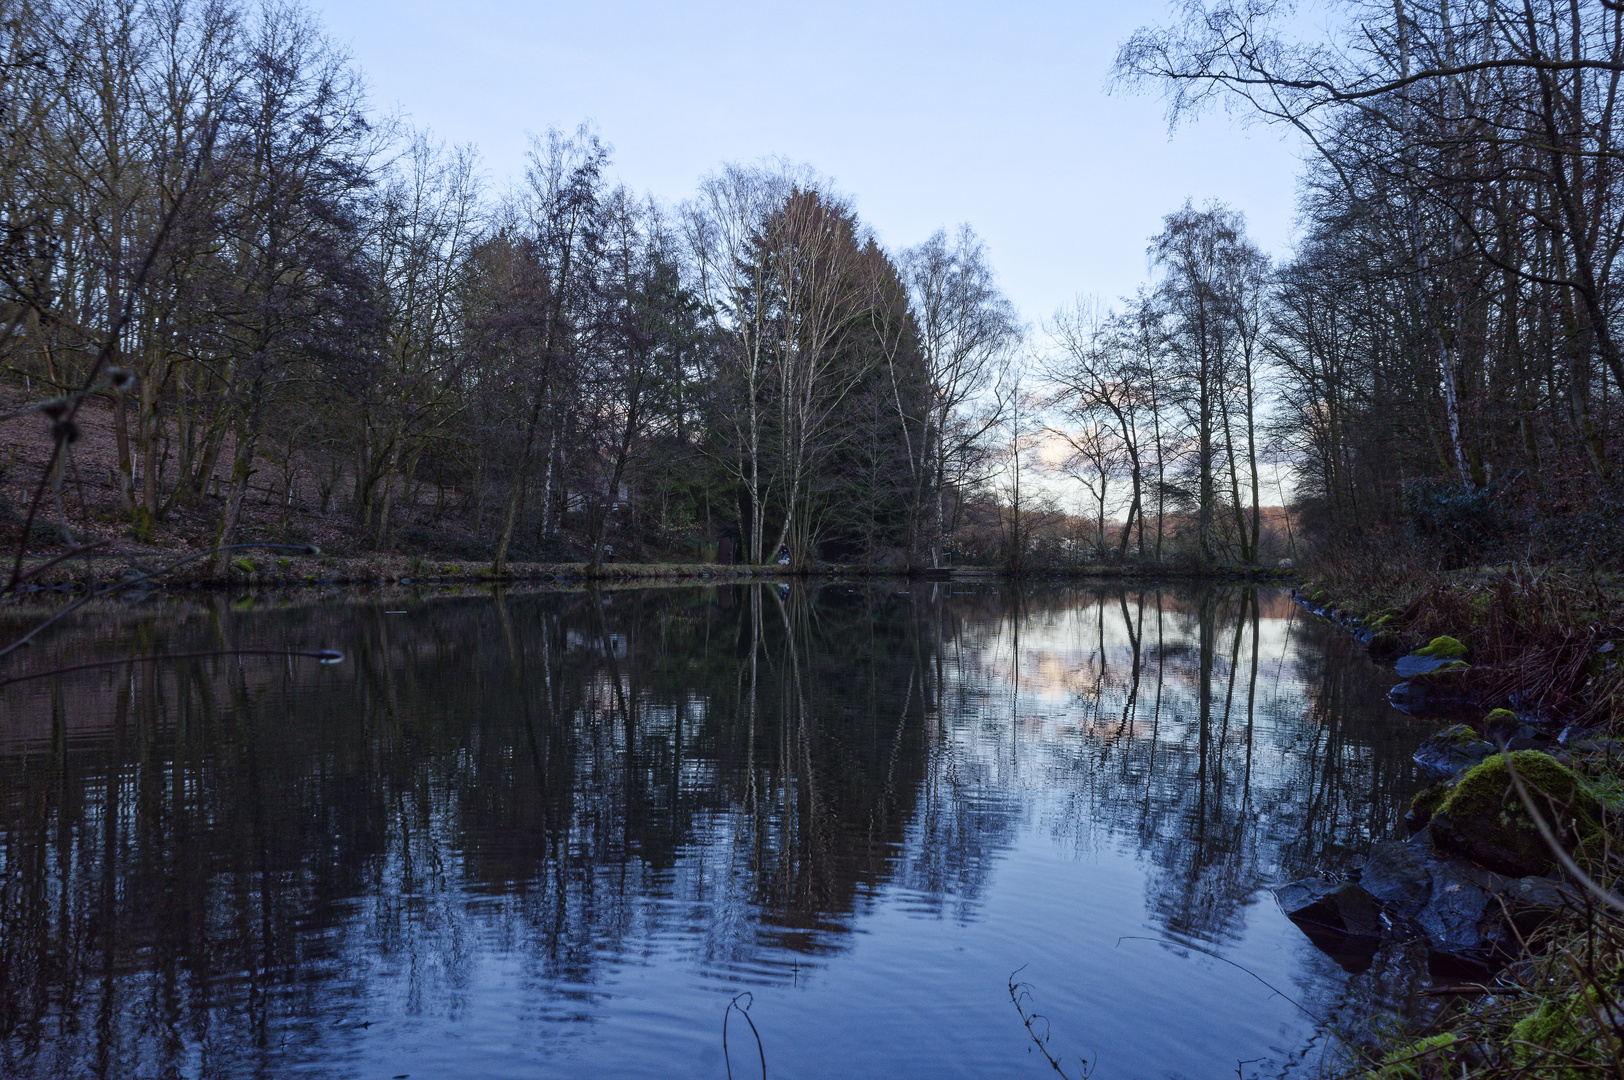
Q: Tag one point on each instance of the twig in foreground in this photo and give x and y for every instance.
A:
(743, 1011)
(1022, 991)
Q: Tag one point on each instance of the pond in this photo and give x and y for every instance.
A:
(570, 833)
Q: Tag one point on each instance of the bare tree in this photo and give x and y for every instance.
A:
(818, 285)
(1192, 249)
(560, 210)
(968, 333)
(1101, 377)
(301, 150)
(721, 225)
(422, 224)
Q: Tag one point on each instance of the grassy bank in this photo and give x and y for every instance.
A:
(294, 568)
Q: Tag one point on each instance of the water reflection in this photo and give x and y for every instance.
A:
(554, 833)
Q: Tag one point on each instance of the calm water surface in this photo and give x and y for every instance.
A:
(555, 834)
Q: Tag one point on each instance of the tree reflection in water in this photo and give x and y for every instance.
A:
(211, 866)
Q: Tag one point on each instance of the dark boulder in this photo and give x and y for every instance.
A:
(1338, 905)
(1506, 729)
(1461, 917)
(1382, 644)
(1478, 915)
(1441, 653)
(1339, 917)
(1399, 875)
(1470, 917)
(1415, 664)
(1440, 692)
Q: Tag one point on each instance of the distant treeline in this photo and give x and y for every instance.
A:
(205, 224)
(204, 220)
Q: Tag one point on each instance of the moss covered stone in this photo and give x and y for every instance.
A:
(1483, 819)
(1443, 648)
(1383, 643)
(1460, 735)
(1415, 1060)
(1446, 669)
(1450, 752)
(1425, 804)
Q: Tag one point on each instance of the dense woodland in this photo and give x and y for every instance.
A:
(1443, 347)
(286, 297)
(205, 223)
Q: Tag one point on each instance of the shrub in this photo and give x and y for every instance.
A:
(1460, 522)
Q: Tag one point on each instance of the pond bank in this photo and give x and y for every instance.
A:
(1511, 852)
(294, 566)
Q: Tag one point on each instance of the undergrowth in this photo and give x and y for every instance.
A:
(1543, 640)
(1553, 1016)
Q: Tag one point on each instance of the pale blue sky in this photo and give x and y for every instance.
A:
(928, 114)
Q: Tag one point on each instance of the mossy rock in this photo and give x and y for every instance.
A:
(1458, 735)
(1425, 805)
(1450, 752)
(1419, 1059)
(1444, 648)
(1483, 819)
(1562, 1030)
(243, 563)
(1502, 727)
(1448, 671)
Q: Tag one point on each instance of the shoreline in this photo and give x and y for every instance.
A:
(302, 570)
(1541, 915)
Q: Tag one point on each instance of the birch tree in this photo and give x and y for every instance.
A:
(968, 332)
(721, 225)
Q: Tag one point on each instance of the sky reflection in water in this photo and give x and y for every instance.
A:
(554, 834)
